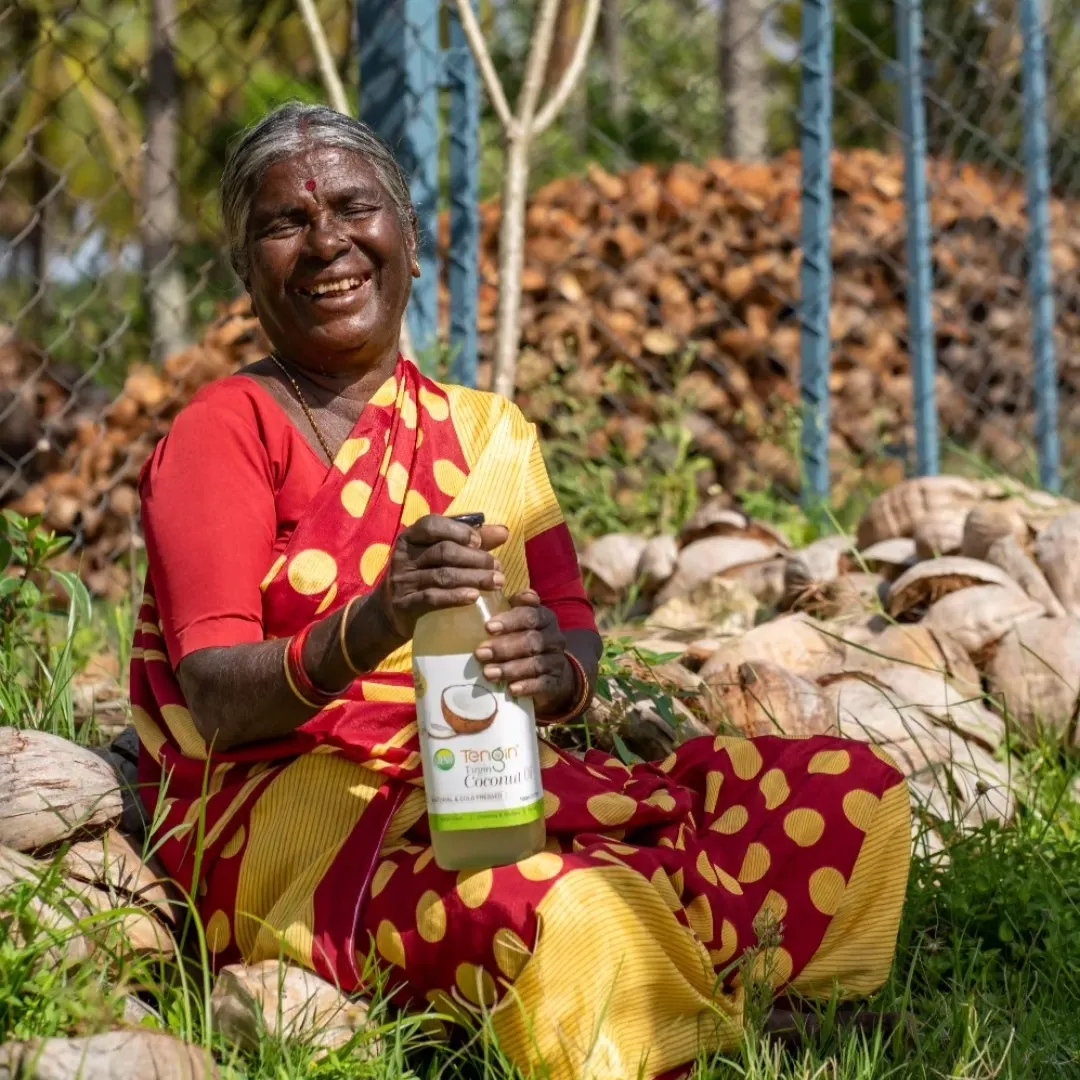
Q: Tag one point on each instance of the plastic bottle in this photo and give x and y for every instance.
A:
(478, 744)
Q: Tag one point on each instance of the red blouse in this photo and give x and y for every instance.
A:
(221, 496)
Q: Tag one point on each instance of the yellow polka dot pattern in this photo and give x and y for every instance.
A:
(511, 953)
(218, 932)
(352, 450)
(388, 942)
(745, 759)
(273, 572)
(714, 781)
(475, 984)
(827, 887)
(408, 412)
(700, 917)
(373, 561)
(729, 942)
(312, 571)
(705, 868)
(355, 496)
(773, 966)
(830, 762)
(474, 887)
(386, 394)
(731, 820)
(431, 917)
(551, 804)
(662, 884)
(540, 867)
(804, 826)
(661, 800)
(667, 764)
(382, 875)
(774, 908)
(449, 479)
(611, 808)
(882, 755)
(437, 407)
(447, 1007)
(860, 807)
(756, 864)
(548, 756)
(397, 482)
(774, 787)
(416, 507)
(728, 881)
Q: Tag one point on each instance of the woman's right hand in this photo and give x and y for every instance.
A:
(439, 563)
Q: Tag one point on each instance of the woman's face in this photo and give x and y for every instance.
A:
(330, 266)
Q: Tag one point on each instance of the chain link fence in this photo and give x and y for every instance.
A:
(663, 317)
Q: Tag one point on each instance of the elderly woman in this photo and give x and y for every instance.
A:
(299, 521)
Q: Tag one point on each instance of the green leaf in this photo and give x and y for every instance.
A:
(77, 591)
(626, 755)
(6, 552)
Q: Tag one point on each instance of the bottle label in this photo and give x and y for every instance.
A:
(478, 745)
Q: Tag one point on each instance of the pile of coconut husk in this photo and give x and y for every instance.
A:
(950, 618)
(80, 886)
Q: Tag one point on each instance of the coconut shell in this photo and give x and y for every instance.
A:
(758, 698)
(978, 617)
(851, 595)
(990, 521)
(610, 563)
(657, 563)
(899, 510)
(717, 608)
(970, 790)
(1056, 552)
(717, 555)
(1036, 674)
(1006, 554)
(798, 643)
(890, 558)
(113, 1055)
(808, 570)
(927, 582)
(940, 532)
(717, 519)
(51, 789)
(764, 579)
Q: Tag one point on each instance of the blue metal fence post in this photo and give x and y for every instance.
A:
(816, 121)
(463, 259)
(400, 71)
(1037, 167)
(920, 289)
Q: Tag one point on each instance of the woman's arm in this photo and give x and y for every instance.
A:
(240, 694)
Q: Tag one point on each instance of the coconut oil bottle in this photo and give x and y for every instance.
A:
(477, 743)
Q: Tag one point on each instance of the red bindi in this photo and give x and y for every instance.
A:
(310, 185)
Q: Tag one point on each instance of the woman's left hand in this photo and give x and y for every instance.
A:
(527, 652)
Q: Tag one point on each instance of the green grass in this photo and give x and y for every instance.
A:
(988, 963)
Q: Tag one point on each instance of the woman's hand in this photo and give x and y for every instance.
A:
(527, 651)
(439, 563)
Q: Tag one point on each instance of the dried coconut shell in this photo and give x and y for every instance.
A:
(712, 557)
(890, 558)
(1036, 674)
(657, 563)
(990, 521)
(1006, 554)
(927, 582)
(718, 607)
(979, 617)
(765, 580)
(1056, 552)
(970, 790)
(798, 643)
(715, 518)
(758, 698)
(611, 562)
(898, 511)
(940, 532)
(808, 570)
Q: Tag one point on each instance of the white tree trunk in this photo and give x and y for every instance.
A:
(744, 79)
(511, 264)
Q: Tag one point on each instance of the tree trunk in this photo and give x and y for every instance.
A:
(511, 262)
(613, 57)
(166, 290)
(744, 79)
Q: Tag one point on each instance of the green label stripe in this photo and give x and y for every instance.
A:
(487, 819)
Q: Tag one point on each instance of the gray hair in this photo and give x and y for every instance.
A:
(289, 130)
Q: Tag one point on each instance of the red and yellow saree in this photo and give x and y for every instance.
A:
(615, 952)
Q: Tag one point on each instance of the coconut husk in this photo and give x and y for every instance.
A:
(113, 1055)
(809, 570)
(879, 644)
(848, 596)
(764, 579)
(657, 563)
(990, 521)
(758, 698)
(940, 532)
(610, 564)
(51, 789)
(890, 558)
(713, 557)
(927, 582)
(1006, 554)
(898, 511)
(715, 518)
(717, 607)
(798, 643)
(1035, 673)
(978, 617)
(1056, 553)
(969, 791)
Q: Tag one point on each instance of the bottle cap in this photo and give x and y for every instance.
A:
(472, 520)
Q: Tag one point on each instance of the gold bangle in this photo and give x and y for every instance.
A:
(343, 643)
(292, 683)
(582, 699)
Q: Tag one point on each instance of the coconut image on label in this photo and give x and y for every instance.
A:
(468, 709)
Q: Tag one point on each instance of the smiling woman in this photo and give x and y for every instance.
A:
(299, 520)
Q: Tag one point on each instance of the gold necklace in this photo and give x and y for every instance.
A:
(304, 405)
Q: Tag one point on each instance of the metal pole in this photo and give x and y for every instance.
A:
(816, 121)
(1037, 169)
(920, 289)
(463, 260)
(400, 68)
